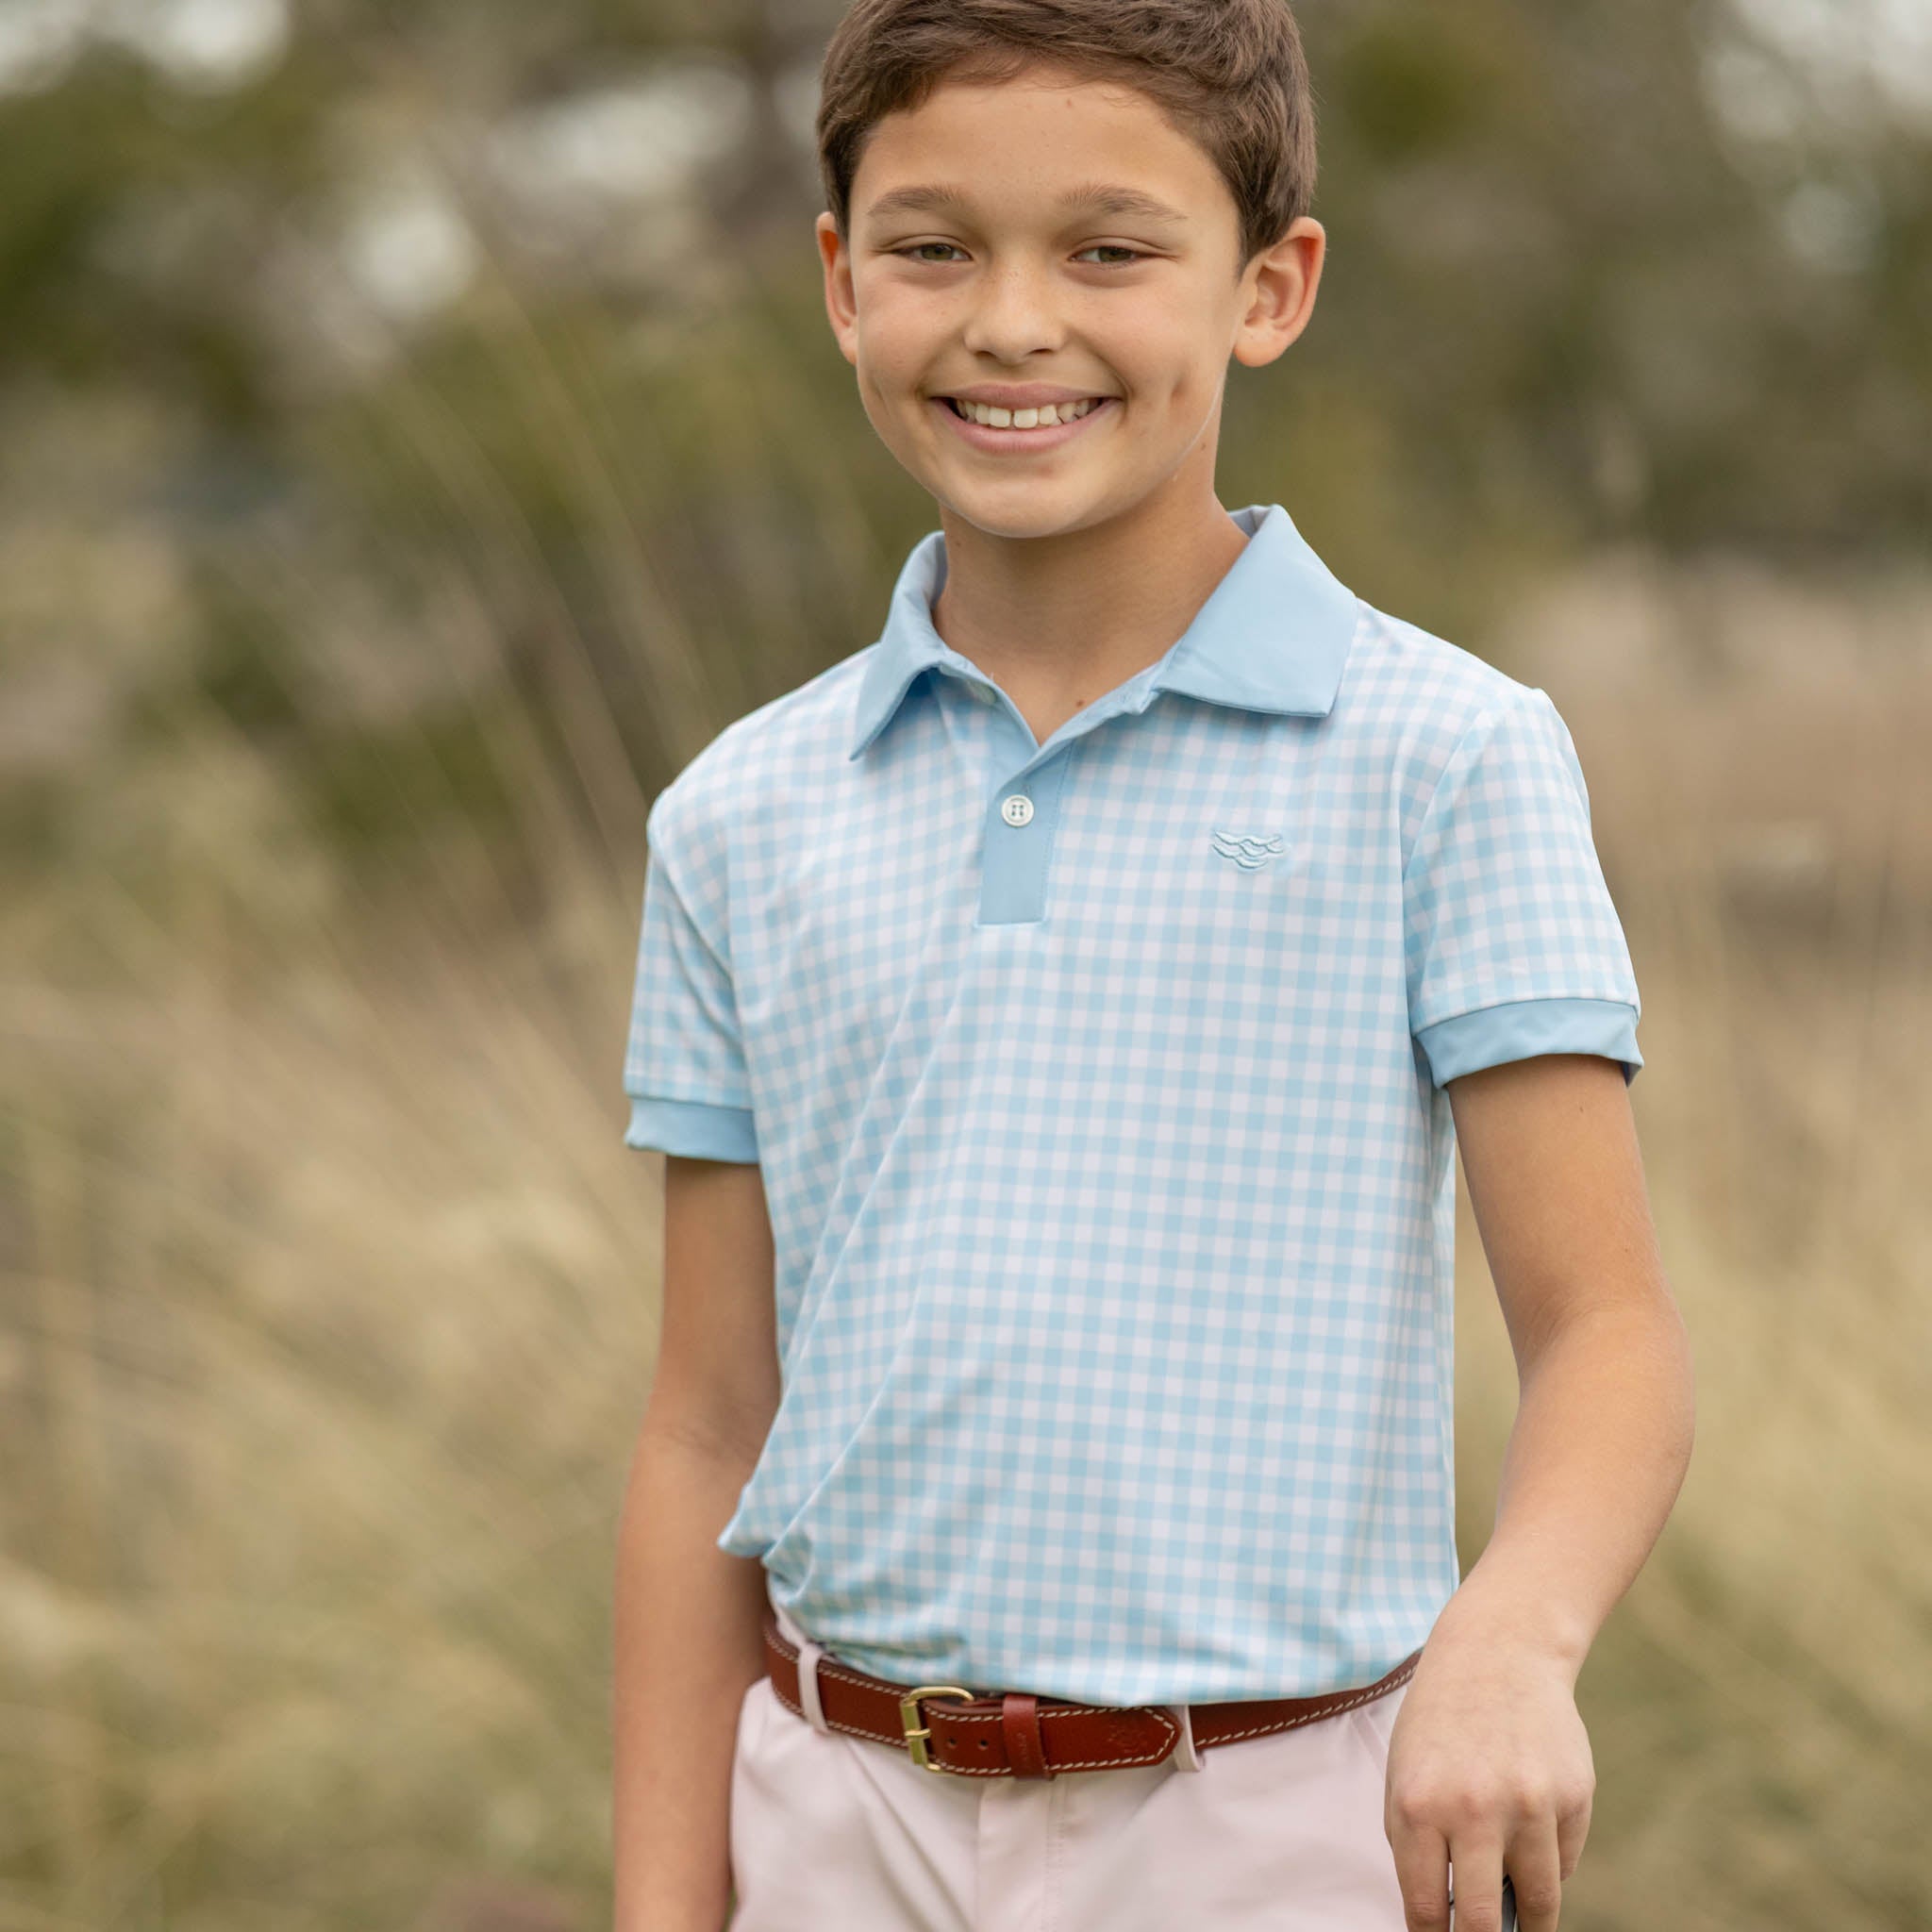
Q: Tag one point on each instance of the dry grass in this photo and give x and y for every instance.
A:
(1759, 1712)
(329, 1313)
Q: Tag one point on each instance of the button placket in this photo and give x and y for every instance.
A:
(1021, 827)
(1024, 825)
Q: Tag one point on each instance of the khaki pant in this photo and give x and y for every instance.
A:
(833, 1833)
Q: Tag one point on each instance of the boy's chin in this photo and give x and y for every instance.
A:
(1020, 509)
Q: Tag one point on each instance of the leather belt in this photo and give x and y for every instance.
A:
(1016, 1734)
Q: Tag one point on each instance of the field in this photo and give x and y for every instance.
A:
(329, 1305)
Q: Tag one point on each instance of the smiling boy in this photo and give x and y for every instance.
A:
(1060, 1016)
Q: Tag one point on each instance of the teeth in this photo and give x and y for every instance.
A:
(1045, 418)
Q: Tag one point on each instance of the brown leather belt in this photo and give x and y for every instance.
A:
(1016, 1734)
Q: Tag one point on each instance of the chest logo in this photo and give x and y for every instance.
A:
(1247, 850)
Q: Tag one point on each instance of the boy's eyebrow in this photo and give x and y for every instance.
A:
(1099, 197)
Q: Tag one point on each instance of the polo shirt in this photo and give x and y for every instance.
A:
(1097, 1087)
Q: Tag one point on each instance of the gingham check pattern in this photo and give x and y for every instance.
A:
(1111, 1175)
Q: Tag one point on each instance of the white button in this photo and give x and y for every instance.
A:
(1016, 809)
(983, 692)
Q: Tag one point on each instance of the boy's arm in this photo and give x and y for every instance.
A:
(687, 1615)
(1490, 1766)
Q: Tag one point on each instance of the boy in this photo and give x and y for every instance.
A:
(1059, 1016)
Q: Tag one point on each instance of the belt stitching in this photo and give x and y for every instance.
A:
(1160, 1716)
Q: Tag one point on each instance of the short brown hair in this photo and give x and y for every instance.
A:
(1229, 73)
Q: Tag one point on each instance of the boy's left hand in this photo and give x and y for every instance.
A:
(1490, 1770)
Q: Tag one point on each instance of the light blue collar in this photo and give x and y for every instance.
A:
(1272, 636)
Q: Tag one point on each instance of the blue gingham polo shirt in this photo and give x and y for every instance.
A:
(1097, 1088)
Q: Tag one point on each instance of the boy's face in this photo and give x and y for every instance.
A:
(1022, 281)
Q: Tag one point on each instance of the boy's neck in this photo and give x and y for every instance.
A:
(1057, 622)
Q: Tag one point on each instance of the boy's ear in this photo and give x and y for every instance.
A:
(840, 308)
(1278, 292)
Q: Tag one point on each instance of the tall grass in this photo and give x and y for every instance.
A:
(331, 1292)
(1760, 1711)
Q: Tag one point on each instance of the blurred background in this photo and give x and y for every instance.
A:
(420, 433)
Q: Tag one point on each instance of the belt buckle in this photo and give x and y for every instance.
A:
(917, 1733)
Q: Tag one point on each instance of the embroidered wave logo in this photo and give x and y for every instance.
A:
(1248, 850)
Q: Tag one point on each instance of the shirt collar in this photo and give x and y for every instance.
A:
(1272, 636)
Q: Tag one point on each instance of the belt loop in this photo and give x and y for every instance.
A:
(1184, 1756)
(808, 1655)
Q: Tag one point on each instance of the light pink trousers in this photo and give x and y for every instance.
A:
(833, 1833)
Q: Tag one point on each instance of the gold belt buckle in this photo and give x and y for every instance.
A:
(917, 1733)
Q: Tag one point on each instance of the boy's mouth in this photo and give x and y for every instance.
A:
(1047, 417)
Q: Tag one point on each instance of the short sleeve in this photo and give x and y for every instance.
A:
(684, 1067)
(1512, 946)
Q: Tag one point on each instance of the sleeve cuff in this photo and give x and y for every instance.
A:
(694, 1127)
(1518, 1030)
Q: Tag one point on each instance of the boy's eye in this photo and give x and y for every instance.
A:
(914, 250)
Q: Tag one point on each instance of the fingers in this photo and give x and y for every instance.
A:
(1422, 1870)
(1573, 1827)
(1475, 1882)
(1534, 1872)
(1468, 1897)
